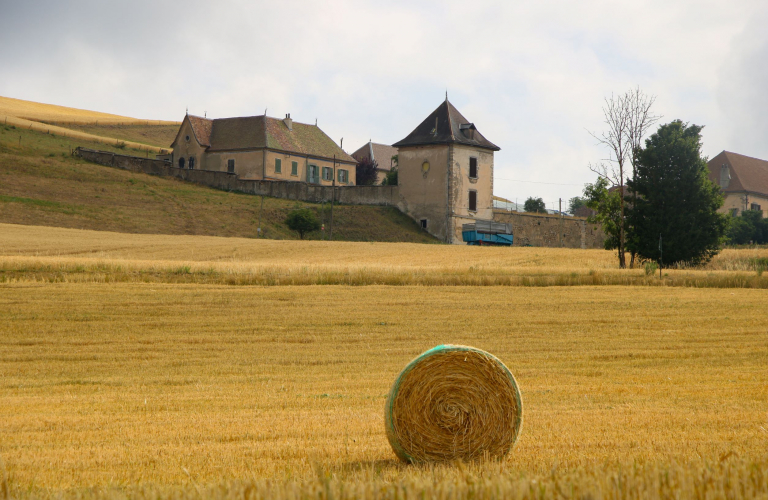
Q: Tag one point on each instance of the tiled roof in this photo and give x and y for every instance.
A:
(304, 139)
(747, 173)
(381, 154)
(246, 132)
(446, 125)
(255, 132)
(201, 128)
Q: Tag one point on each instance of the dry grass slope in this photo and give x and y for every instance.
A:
(64, 122)
(51, 113)
(42, 184)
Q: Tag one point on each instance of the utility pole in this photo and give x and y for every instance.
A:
(333, 197)
(660, 255)
(258, 229)
(560, 231)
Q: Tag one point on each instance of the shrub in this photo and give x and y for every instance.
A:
(302, 220)
(651, 267)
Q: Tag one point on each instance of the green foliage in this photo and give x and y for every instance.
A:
(391, 178)
(366, 172)
(749, 227)
(575, 203)
(607, 204)
(302, 220)
(675, 199)
(651, 268)
(535, 205)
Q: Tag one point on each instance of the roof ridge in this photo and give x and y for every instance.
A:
(744, 156)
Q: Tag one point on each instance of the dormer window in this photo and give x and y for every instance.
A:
(468, 129)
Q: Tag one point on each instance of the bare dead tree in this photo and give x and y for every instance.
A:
(628, 118)
(616, 112)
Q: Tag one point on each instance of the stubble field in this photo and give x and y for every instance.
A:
(155, 388)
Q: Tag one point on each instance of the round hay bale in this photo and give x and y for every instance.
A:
(453, 403)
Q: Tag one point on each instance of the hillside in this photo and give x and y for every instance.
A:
(42, 184)
(51, 113)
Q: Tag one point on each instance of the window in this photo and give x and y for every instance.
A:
(327, 174)
(191, 162)
(734, 212)
(473, 168)
(181, 162)
(294, 168)
(754, 206)
(473, 201)
(312, 174)
(343, 176)
(278, 166)
(187, 138)
(423, 223)
(231, 166)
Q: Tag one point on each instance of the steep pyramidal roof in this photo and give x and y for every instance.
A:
(747, 173)
(446, 125)
(255, 132)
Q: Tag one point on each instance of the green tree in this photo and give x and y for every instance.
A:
(390, 179)
(302, 220)
(535, 205)
(676, 202)
(607, 205)
(749, 227)
(575, 203)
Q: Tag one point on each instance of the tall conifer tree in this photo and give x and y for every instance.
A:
(674, 217)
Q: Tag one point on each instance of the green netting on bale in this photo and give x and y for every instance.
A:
(453, 402)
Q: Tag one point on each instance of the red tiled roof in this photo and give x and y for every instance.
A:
(747, 173)
(201, 127)
(255, 132)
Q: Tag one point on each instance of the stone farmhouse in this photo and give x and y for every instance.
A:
(445, 173)
(743, 180)
(382, 154)
(262, 148)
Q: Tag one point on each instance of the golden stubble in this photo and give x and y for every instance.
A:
(164, 384)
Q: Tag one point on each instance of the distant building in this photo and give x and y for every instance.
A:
(743, 181)
(445, 173)
(262, 147)
(381, 154)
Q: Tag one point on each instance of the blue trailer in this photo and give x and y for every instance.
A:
(486, 232)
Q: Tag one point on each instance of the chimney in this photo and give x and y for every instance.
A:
(288, 122)
(725, 176)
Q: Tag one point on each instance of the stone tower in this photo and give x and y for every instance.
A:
(445, 173)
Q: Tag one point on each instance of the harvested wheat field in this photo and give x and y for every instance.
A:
(117, 380)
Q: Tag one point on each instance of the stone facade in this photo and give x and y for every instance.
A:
(445, 173)
(743, 180)
(262, 148)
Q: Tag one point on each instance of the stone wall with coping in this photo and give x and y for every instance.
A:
(551, 230)
(300, 191)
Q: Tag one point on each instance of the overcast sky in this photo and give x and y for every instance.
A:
(531, 75)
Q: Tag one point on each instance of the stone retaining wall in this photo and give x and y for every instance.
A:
(551, 230)
(300, 191)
